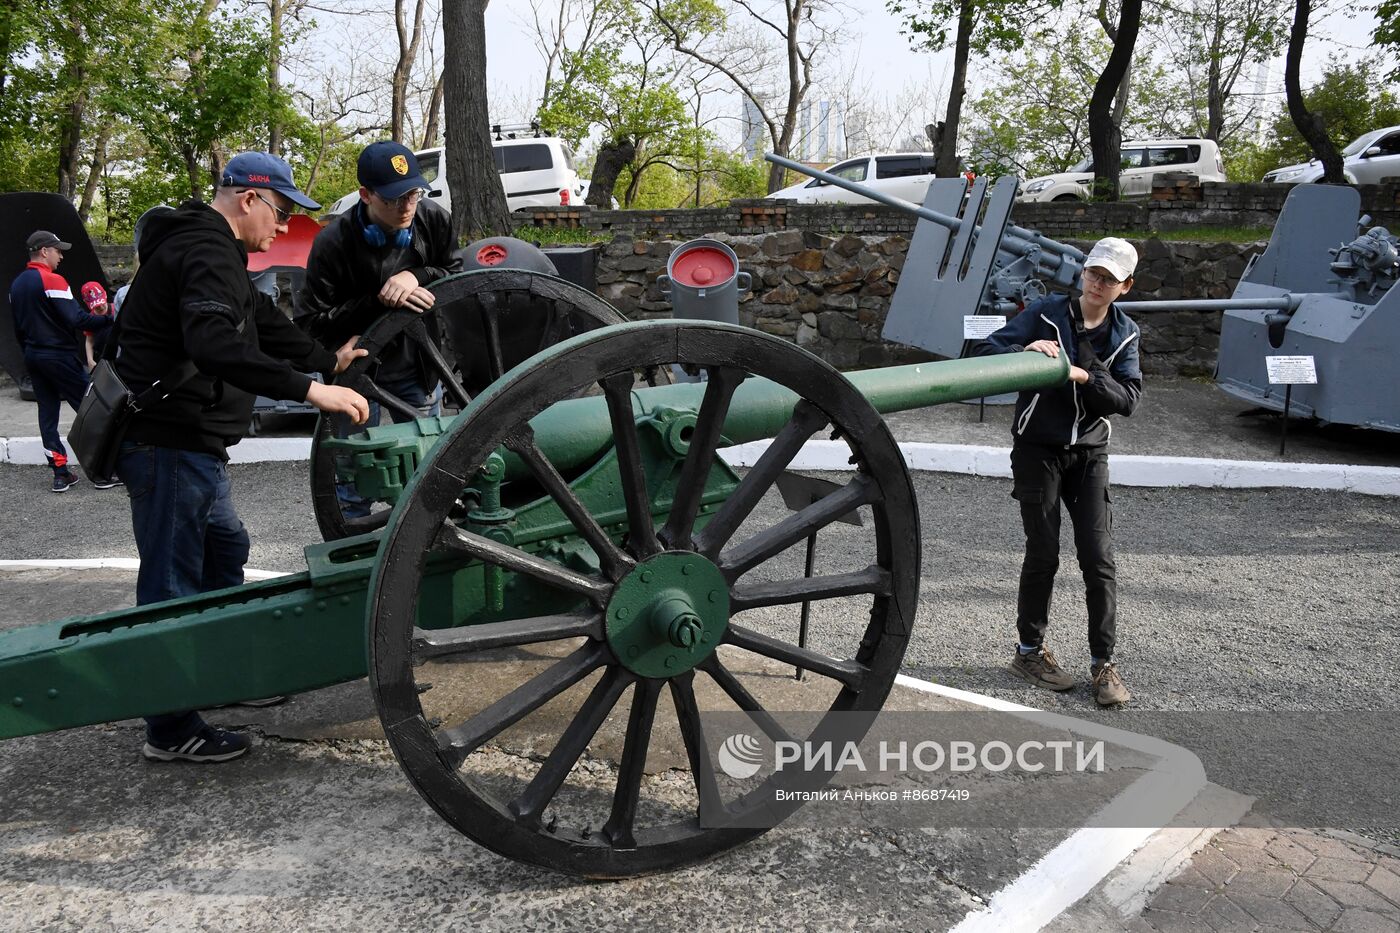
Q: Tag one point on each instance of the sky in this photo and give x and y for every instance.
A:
(878, 57)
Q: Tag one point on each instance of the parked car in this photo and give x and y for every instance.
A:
(1367, 160)
(902, 174)
(1142, 159)
(537, 171)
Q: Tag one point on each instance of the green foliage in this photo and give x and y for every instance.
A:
(1387, 33)
(1033, 119)
(998, 25)
(1350, 102)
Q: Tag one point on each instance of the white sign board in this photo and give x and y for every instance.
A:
(1291, 370)
(982, 326)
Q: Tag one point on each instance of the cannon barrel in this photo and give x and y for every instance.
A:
(1019, 241)
(1280, 303)
(54, 673)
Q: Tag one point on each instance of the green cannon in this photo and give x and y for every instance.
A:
(576, 510)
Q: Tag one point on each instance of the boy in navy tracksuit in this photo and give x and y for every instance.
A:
(1060, 455)
(47, 322)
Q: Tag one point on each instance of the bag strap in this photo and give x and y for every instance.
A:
(162, 387)
(1087, 356)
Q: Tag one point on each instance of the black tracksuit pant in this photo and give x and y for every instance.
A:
(1044, 477)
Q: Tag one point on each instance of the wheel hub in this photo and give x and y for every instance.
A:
(668, 614)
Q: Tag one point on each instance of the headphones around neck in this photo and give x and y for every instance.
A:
(374, 234)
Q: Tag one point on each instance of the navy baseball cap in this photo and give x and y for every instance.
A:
(264, 170)
(390, 170)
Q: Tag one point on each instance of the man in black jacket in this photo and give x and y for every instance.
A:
(192, 302)
(377, 257)
(1059, 456)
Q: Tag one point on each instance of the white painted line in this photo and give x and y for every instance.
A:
(1075, 867)
(113, 563)
(1127, 469)
(969, 459)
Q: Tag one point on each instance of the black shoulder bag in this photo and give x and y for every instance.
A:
(107, 407)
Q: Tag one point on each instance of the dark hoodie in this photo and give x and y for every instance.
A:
(193, 300)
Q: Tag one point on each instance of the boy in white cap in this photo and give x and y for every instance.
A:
(1059, 455)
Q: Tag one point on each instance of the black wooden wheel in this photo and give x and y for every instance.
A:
(603, 835)
(486, 321)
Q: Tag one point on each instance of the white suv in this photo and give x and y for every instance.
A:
(1368, 159)
(1142, 159)
(903, 174)
(536, 171)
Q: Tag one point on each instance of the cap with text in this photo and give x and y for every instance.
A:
(1115, 256)
(390, 170)
(264, 170)
(39, 239)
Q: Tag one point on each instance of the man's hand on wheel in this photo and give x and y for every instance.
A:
(348, 353)
(403, 291)
(339, 400)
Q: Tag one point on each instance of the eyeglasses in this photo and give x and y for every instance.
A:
(407, 200)
(1090, 275)
(283, 217)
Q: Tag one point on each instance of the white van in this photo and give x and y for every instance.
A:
(1142, 159)
(903, 174)
(536, 171)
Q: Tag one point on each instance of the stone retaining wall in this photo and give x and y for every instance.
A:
(830, 294)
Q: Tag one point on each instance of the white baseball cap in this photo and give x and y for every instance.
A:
(1115, 256)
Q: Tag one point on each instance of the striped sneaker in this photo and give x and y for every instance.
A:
(208, 744)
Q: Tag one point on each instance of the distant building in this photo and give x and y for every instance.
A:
(755, 131)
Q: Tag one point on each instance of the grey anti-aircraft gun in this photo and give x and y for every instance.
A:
(1318, 290)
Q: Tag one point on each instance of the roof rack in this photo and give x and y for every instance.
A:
(516, 130)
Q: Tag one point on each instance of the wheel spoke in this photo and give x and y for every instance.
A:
(369, 388)
(614, 561)
(364, 524)
(491, 324)
(741, 558)
(529, 807)
(641, 535)
(850, 673)
(630, 769)
(418, 332)
(453, 538)
(459, 741)
(806, 420)
(693, 731)
(719, 392)
(745, 700)
(873, 579)
(435, 643)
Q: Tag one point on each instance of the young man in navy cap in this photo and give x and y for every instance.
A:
(193, 303)
(1059, 455)
(379, 256)
(48, 322)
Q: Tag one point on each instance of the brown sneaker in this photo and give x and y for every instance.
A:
(1108, 687)
(1041, 669)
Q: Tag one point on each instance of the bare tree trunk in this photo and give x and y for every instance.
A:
(434, 117)
(1106, 136)
(409, 40)
(70, 137)
(946, 162)
(99, 162)
(276, 10)
(192, 169)
(612, 158)
(1125, 87)
(478, 200)
(1310, 125)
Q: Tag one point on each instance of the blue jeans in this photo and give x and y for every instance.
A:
(407, 388)
(189, 537)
